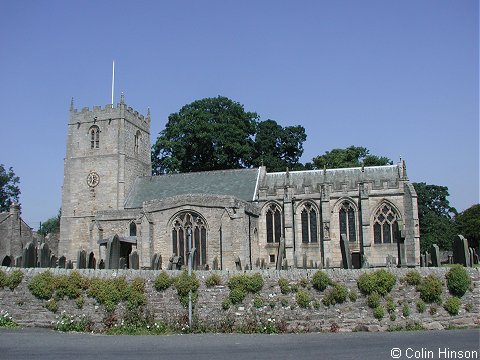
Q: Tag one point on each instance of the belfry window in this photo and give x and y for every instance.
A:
(309, 224)
(347, 221)
(138, 138)
(385, 225)
(94, 137)
(274, 224)
(184, 224)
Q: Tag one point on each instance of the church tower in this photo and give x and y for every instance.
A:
(107, 148)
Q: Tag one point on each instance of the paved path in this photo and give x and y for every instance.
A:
(46, 344)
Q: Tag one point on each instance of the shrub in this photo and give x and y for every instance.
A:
(430, 289)
(80, 301)
(380, 281)
(303, 299)
(42, 285)
(393, 317)
(303, 282)
(379, 312)
(237, 295)
(284, 302)
(163, 281)
(6, 321)
(458, 280)
(284, 286)
(469, 307)
(252, 284)
(14, 279)
(67, 286)
(226, 303)
(421, 306)
(258, 301)
(213, 280)
(391, 306)
(73, 323)
(373, 300)
(413, 278)
(406, 310)
(433, 310)
(452, 305)
(52, 305)
(185, 283)
(320, 280)
(352, 295)
(335, 295)
(3, 279)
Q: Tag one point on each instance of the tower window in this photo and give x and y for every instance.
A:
(138, 138)
(385, 225)
(347, 221)
(94, 137)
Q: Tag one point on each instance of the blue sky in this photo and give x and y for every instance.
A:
(398, 77)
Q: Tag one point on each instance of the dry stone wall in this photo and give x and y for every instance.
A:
(269, 305)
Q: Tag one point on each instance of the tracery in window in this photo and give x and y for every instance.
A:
(347, 221)
(94, 132)
(385, 225)
(183, 224)
(309, 224)
(274, 224)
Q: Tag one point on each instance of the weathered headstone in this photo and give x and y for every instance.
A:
(133, 261)
(29, 256)
(257, 263)
(475, 257)
(435, 254)
(238, 263)
(122, 263)
(327, 263)
(53, 261)
(460, 250)
(81, 259)
(177, 262)
(69, 264)
(44, 256)
(18, 261)
(423, 260)
(346, 257)
(428, 259)
(365, 263)
(247, 267)
(304, 261)
(263, 265)
(92, 262)
(295, 262)
(101, 264)
(280, 253)
(471, 255)
(215, 263)
(157, 265)
(152, 262)
(113, 253)
(62, 262)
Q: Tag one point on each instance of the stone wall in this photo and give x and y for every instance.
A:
(26, 310)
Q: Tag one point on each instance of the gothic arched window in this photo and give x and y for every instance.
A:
(385, 225)
(274, 224)
(94, 132)
(186, 224)
(133, 229)
(138, 138)
(347, 221)
(309, 224)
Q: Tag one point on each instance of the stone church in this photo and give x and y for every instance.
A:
(233, 217)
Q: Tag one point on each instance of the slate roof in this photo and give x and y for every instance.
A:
(348, 175)
(239, 183)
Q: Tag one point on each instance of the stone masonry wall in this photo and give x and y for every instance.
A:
(27, 310)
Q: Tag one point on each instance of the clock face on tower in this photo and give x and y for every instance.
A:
(93, 179)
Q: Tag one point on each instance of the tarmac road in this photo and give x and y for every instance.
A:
(45, 344)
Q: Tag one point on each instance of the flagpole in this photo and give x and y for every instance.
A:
(113, 78)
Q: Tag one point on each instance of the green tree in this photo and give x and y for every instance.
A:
(467, 223)
(208, 134)
(51, 225)
(353, 156)
(435, 215)
(278, 147)
(9, 190)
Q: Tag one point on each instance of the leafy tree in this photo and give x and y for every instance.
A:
(353, 156)
(51, 225)
(9, 190)
(208, 134)
(435, 215)
(277, 147)
(468, 224)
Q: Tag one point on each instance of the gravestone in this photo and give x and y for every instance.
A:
(280, 253)
(29, 256)
(295, 262)
(475, 257)
(122, 263)
(18, 261)
(356, 260)
(435, 255)
(176, 261)
(327, 263)
(92, 262)
(304, 261)
(257, 263)
(113, 253)
(422, 260)
(44, 256)
(215, 263)
(450, 259)
(460, 250)
(365, 263)
(346, 257)
(134, 261)
(471, 255)
(81, 259)
(152, 262)
(247, 267)
(428, 259)
(62, 262)
(238, 263)
(263, 265)
(157, 265)
(284, 264)
(101, 264)
(69, 264)
(312, 264)
(53, 261)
